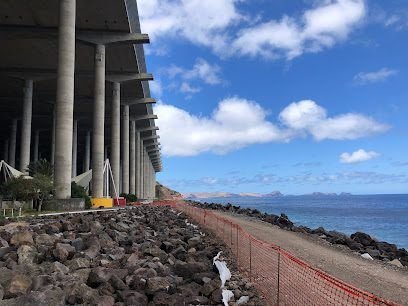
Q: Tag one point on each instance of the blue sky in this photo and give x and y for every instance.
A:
(296, 96)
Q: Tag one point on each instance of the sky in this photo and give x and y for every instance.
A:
(297, 96)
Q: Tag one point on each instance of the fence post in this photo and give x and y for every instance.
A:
(205, 216)
(279, 256)
(223, 230)
(237, 246)
(250, 259)
(231, 236)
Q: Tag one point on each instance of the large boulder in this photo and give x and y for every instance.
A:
(19, 285)
(156, 284)
(187, 270)
(26, 255)
(45, 239)
(130, 297)
(98, 276)
(63, 251)
(363, 238)
(21, 238)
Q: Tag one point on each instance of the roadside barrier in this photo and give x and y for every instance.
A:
(279, 276)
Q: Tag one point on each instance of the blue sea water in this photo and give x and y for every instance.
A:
(384, 217)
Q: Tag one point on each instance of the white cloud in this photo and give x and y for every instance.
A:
(187, 88)
(201, 22)
(374, 77)
(238, 122)
(318, 28)
(219, 25)
(306, 117)
(357, 156)
(156, 88)
(202, 70)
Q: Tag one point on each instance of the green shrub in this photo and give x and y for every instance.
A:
(79, 192)
(130, 198)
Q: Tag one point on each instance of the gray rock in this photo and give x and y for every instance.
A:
(63, 251)
(396, 263)
(78, 244)
(3, 243)
(26, 255)
(79, 263)
(156, 284)
(98, 276)
(133, 298)
(59, 267)
(45, 239)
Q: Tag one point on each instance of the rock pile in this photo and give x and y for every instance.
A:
(358, 242)
(139, 256)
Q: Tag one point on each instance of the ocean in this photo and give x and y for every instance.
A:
(384, 217)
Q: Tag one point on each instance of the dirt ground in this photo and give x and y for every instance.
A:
(379, 278)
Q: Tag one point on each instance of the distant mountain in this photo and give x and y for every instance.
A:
(273, 194)
(326, 194)
(206, 195)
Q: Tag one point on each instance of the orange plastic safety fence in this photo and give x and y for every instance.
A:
(279, 276)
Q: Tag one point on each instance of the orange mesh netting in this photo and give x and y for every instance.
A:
(279, 276)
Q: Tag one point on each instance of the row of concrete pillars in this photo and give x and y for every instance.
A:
(137, 167)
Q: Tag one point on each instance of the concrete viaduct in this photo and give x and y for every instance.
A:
(74, 90)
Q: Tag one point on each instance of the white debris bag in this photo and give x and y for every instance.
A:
(225, 273)
(226, 296)
(243, 300)
(367, 256)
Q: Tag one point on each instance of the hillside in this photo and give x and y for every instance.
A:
(165, 193)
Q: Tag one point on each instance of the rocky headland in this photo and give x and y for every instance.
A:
(357, 242)
(138, 256)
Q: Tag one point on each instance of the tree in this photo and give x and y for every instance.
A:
(43, 188)
(19, 189)
(41, 166)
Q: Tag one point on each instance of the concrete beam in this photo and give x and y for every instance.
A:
(107, 38)
(150, 137)
(144, 117)
(96, 37)
(138, 101)
(125, 77)
(39, 74)
(147, 129)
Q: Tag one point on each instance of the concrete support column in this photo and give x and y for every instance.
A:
(115, 139)
(125, 149)
(53, 138)
(87, 156)
(65, 99)
(6, 150)
(13, 143)
(141, 169)
(145, 178)
(132, 158)
(154, 183)
(98, 139)
(74, 148)
(149, 179)
(36, 145)
(137, 166)
(25, 145)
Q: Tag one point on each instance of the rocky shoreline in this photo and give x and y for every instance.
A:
(358, 242)
(138, 256)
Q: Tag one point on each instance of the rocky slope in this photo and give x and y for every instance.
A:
(165, 193)
(139, 256)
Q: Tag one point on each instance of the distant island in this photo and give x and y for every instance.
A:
(273, 194)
